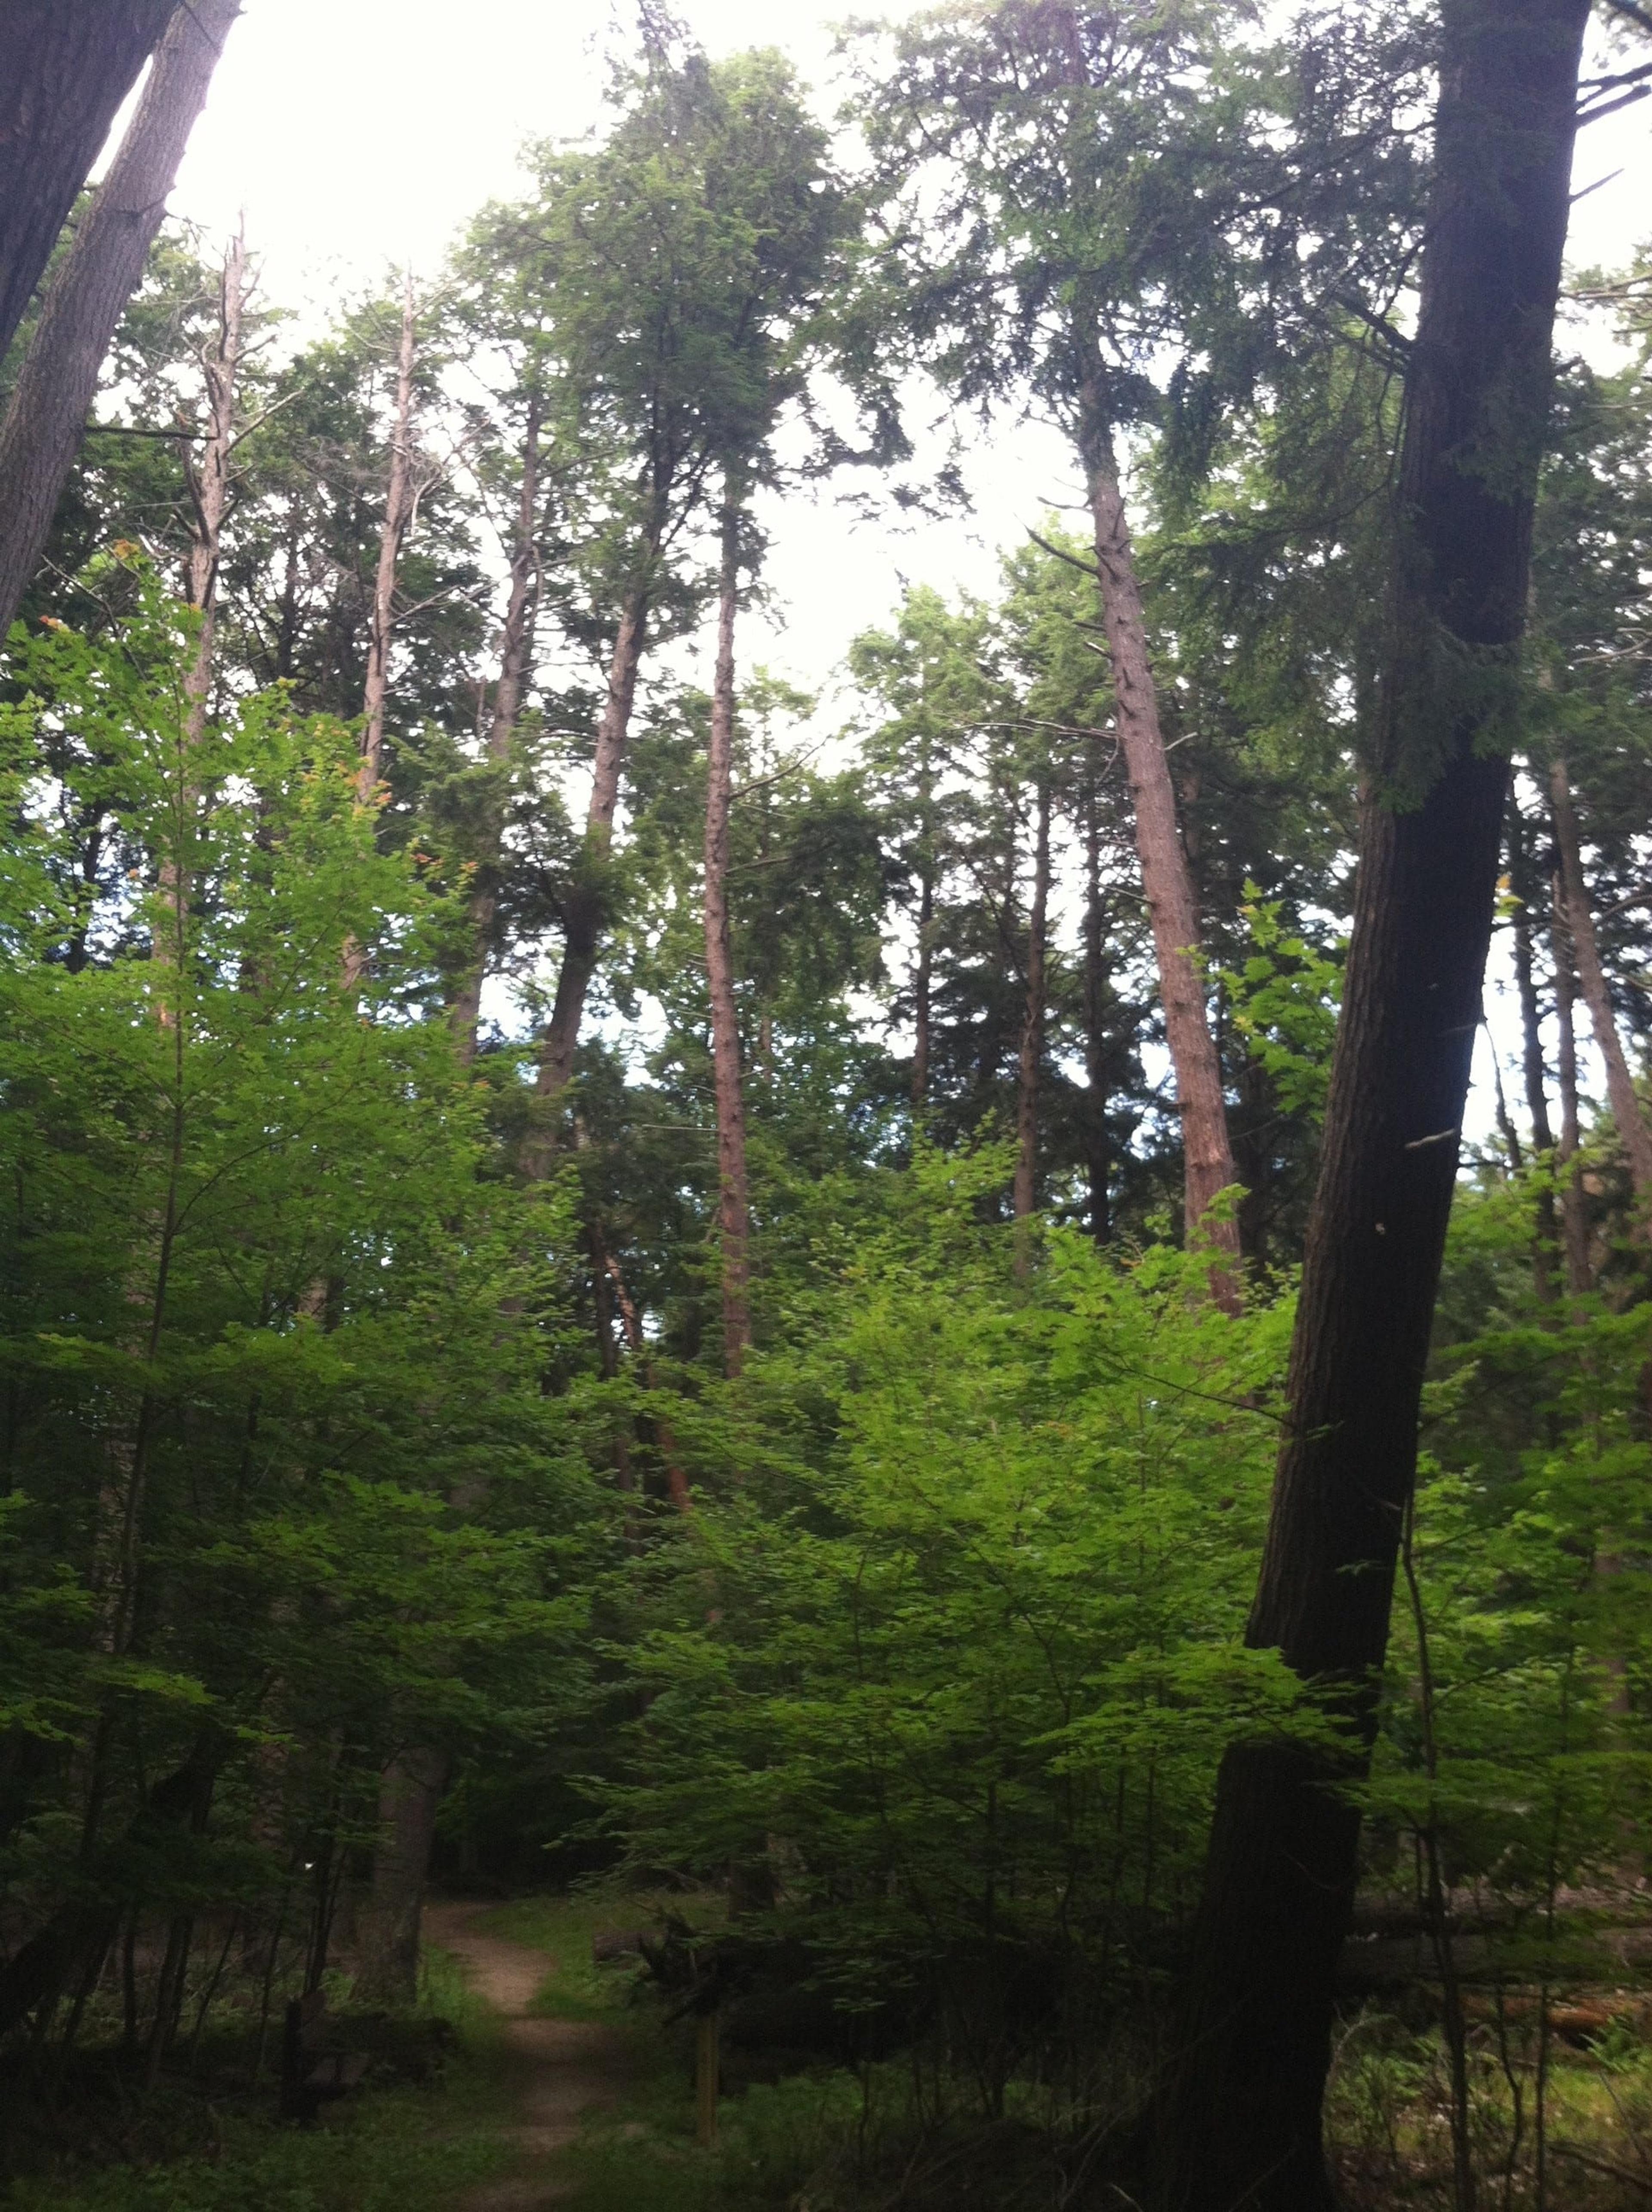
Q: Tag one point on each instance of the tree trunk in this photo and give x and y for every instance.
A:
(1096, 1146)
(68, 66)
(1574, 1210)
(1633, 1133)
(409, 1795)
(1243, 2115)
(59, 378)
(515, 667)
(1032, 1028)
(1206, 1153)
(732, 1215)
(1531, 1027)
(922, 970)
(585, 910)
(399, 514)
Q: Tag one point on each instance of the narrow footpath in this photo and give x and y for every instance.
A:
(566, 2067)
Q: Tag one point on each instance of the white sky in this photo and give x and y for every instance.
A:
(356, 134)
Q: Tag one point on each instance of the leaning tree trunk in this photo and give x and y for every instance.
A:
(59, 378)
(515, 664)
(1633, 1133)
(65, 66)
(1242, 2116)
(1207, 1154)
(733, 1216)
(1032, 1029)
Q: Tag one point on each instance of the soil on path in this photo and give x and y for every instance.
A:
(565, 2067)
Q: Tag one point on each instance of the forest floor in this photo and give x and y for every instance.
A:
(556, 2069)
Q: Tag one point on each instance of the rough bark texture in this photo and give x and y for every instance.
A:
(65, 66)
(1633, 1133)
(1032, 1024)
(515, 668)
(583, 912)
(58, 380)
(733, 1212)
(1206, 1153)
(1242, 2120)
(398, 515)
(409, 1795)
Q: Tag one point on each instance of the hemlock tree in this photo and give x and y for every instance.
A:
(1242, 2118)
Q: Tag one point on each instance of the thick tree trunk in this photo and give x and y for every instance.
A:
(1207, 1154)
(584, 912)
(65, 66)
(409, 1795)
(1633, 1133)
(1243, 2116)
(733, 1219)
(59, 378)
(398, 515)
(1032, 1025)
(515, 667)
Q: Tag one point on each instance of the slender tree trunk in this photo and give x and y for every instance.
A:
(398, 515)
(923, 967)
(1096, 1146)
(584, 912)
(409, 1792)
(1531, 1027)
(1207, 1153)
(1032, 1027)
(1633, 1133)
(515, 667)
(733, 1213)
(67, 66)
(1574, 1210)
(1242, 2121)
(59, 378)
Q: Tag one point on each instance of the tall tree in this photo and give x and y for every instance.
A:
(733, 1205)
(1243, 2119)
(52, 397)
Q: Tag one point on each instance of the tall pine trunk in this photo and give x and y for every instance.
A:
(1032, 1025)
(67, 66)
(1207, 1154)
(515, 667)
(1531, 1032)
(58, 380)
(1633, 1132)
(1243, 2114)
(733, 1218)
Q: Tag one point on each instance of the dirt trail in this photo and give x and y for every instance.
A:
(567, 2067)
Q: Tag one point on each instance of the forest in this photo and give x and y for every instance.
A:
(773, 1450)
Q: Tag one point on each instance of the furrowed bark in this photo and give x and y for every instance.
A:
(1032, 1028)
(59, 378)
(515, 667)
(583, 916)
(1240, 2126)
(1633, 1133)
(67, 66)
(733, 1218)
(1167, 885)
(410, 1793)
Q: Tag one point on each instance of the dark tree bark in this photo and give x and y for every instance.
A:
(733, 1213)
(409, 1795)
(1242, 2118)
(67, 66)
(1532, 1068)
(1032, 1024)
(58, 380)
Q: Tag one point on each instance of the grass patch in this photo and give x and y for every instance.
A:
(575, 1988)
